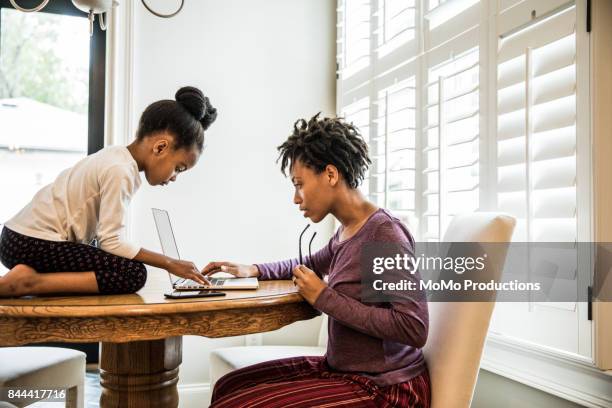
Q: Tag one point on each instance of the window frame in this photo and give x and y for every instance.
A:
(95, 114)
(97, 70)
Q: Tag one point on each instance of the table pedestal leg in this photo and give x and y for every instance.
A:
(140, 373)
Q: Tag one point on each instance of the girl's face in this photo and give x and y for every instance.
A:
(165, 163)
(314, 193)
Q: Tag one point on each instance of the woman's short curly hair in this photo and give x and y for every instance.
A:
(322, 141)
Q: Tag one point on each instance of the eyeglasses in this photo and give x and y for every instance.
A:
(309, 244)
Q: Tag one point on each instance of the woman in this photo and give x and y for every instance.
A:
(373, 355)
(46, 245)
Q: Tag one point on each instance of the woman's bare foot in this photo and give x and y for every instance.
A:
(19, 281)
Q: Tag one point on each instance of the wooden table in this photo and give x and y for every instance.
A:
(141, 334)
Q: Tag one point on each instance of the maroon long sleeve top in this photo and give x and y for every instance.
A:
(382, 340)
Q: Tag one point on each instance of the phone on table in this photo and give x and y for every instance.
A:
(186, 294)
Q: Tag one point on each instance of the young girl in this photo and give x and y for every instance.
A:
(373, 355)
(53, 232)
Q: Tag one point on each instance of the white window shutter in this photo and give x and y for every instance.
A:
(395, 147)
(377, 93)
(451, 133)
(536, 157)
(536, 135)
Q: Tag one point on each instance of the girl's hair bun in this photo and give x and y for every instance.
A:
(210, 114)
(193, 100)
(186, 118)
(197, 104)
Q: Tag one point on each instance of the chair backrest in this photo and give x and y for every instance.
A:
(323, 332)
(457, 330)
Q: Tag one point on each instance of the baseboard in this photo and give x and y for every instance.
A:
(196, 395)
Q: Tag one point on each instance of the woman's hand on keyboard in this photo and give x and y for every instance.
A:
(187, 270)
(238, 270)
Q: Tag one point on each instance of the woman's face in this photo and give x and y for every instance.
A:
(313, 192)
(165, 163)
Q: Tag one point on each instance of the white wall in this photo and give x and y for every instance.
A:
(263, 64)
(493, 390)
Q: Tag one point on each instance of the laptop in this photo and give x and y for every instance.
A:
(169, 248)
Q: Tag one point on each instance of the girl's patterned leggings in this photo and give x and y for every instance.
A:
(115, 275)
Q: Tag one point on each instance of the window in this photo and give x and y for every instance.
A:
(536, 164)
(480, 105)
(358, 113)
(395, 148)
(355, 25)
(52, 84)
(396, 25)
(451, 147)
(536, 136)
(418, 95)
(51, 96)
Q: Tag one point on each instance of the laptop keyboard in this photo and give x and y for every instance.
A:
(189, 282)
(217, 282)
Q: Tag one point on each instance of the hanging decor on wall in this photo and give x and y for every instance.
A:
(99, 7)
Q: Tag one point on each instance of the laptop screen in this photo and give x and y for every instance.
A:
(166, 235)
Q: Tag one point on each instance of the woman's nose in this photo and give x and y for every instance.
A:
(296, 198)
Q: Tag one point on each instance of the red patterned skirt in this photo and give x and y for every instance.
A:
(309, 382)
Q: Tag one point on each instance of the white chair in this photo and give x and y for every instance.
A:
(457, 330)
(226, 360)
(44, 368)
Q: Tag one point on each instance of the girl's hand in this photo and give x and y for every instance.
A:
(187, 270)
(238, 270)
(309, 284)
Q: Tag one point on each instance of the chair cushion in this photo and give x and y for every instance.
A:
(53, 367)
(21, 363)
(226, 360)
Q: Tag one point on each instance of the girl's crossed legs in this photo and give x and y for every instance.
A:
(38, 266)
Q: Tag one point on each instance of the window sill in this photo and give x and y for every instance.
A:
(566, 375)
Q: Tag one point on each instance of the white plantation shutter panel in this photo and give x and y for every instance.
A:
(536, 138)
(394, 150)
(537, 154)
(377, 93)
(358, 113)
(450, 126)
(405, 52)
(354, 31)
(451, 148)
(395, 24)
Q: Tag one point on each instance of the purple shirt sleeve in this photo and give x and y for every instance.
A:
(284, 269)
(405, 321)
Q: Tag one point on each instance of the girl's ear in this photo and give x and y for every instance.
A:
(160, 146)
